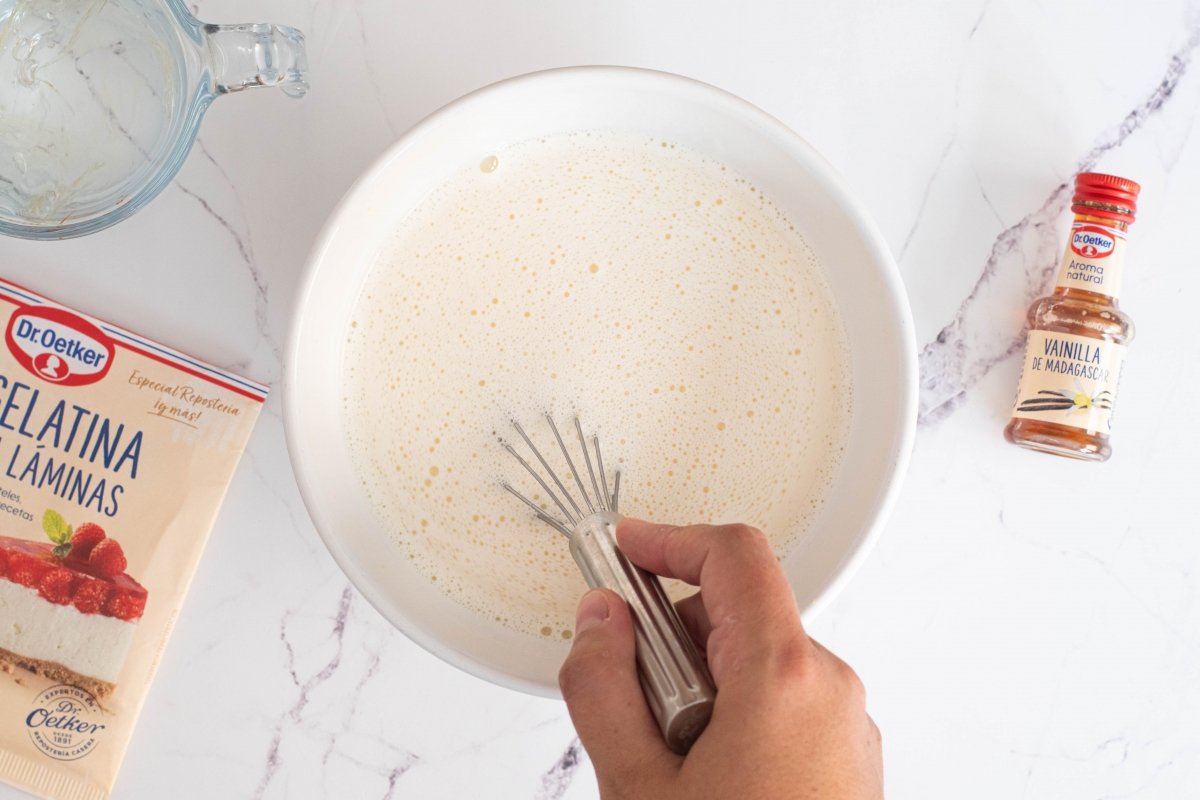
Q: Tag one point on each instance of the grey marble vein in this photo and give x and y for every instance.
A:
(393, 777)
(986, 200)
(372, 76)
(245, 248)
(229, 180)
(375, 659)
(557, 779)
(306, 687)
(112, 116)
(1018, 270)
(224, 223)
(299, 522)
(933, 176)
(983, 10)
(941, 160)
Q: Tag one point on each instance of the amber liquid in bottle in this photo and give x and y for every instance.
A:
(1078, 312)
(1082, 313)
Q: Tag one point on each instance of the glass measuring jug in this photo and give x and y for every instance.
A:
(100, 101)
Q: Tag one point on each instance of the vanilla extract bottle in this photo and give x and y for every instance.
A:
(1078, 336)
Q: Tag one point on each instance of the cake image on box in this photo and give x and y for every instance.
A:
(115, 454)
(68, 611)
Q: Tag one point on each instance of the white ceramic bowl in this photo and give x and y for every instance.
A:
(859, 268)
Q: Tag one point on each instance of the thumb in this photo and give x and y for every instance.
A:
(600, 685)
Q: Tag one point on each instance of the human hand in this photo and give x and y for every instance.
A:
(790, 718)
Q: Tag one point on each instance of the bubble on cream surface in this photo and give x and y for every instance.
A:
(651, 291)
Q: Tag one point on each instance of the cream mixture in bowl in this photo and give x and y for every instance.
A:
(646, 252)
(653, 292)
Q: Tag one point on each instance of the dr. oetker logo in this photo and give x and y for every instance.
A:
(58, 346)
(63, 722)
(1092, 242)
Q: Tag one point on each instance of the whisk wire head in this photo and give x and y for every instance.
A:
(587, 459)
(564, 498)
(610, 501)
(541, 483)
(537, 510)
(571, 465)
(541, 459)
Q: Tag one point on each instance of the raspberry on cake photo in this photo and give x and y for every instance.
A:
(68, 610)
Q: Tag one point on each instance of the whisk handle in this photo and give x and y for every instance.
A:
(674, 677)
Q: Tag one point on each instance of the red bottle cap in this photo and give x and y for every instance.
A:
(1120, 194)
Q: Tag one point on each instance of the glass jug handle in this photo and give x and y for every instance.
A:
(257, 54)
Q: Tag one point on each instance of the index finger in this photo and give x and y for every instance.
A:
(742, 585)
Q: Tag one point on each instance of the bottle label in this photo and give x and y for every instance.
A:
(1095, 259)
(1069, 379)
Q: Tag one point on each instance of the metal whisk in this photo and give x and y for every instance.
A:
(674, 677)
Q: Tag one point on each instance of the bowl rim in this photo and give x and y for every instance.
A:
(302, 302)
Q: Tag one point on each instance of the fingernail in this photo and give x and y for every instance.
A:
(593, 611)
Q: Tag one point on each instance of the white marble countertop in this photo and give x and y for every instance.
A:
(1027, 628)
